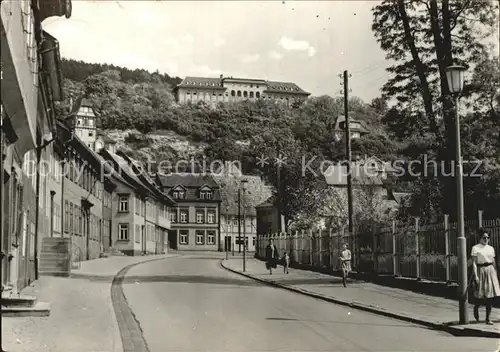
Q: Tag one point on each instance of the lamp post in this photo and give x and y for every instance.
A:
(455, 77)
(243, 186)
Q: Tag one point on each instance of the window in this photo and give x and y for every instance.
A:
(235, 220)
(239, 93)
(71, 218)
(200, 216)
(137, 233)
(245, 94)
(184, 216)
(200, 237)
(91, 134)
(211, 217)
(123, 204)
(66, 216)
(211, 237)
(173, 216)
(179, 194)
(233, 93)
(183, 236)
(123, 232)
(206, 194)
(251, 94)
(254, 240)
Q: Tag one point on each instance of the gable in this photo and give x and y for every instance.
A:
(179, 188)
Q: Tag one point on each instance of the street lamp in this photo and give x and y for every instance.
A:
(243, 186)
(455, 77)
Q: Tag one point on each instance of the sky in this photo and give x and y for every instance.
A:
(309, 43)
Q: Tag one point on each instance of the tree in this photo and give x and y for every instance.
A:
(423, 38)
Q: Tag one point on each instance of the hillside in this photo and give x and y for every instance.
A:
(138, 109)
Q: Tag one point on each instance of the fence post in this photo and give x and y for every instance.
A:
(480, 218)
(296, 246)
(417, 245)
(447, 246)
(394, 251)
(302, 250)
(320, 248)
(310, 235)
(330, 249)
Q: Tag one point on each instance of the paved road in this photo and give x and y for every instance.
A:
(190, 304)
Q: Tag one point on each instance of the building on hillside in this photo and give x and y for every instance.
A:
(195, 221)
(371, 180)
(31, 82)
(357, 130)
(229, 89)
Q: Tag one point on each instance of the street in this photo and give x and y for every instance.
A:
(190, 303)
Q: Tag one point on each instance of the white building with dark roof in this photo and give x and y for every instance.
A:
(229, 89)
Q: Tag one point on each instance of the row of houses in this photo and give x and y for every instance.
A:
(66, 193)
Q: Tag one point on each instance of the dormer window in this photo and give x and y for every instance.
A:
(205, 193)
(179, 193)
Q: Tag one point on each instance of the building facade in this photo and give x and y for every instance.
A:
(228, 89)
(356, 129)
(139, 208)
(31, 82)
(195, 221)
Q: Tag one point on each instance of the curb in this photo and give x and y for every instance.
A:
(454, 330)
(130, 331)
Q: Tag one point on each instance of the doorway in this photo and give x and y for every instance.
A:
(172, 239)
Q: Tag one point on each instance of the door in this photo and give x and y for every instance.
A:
(172, 239)
(227, 243)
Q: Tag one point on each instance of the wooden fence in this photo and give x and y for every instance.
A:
(421, 251)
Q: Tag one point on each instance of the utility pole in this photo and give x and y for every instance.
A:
(348, 152)
(239, 219)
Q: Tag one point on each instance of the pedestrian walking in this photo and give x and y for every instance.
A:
(286, 262)
(272, 256)
(345, 263)
(485, 277)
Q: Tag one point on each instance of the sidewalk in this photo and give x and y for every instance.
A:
(82, 317)
(426, 310)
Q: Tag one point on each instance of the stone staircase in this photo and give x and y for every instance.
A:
(55, 258)
(16, 305)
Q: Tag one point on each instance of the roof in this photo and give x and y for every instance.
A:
(105, 137)
(142, 175)
(284, 87)
(256, 192)
(341, 118)
(192, 183)
(217, 83)
(399, 197)
(198, 82)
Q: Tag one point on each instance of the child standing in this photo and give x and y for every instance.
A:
(286, 262)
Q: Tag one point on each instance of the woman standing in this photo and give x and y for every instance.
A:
(485, 275)
(271, 256)
(345, 263)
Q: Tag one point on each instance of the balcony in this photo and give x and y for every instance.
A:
(164, 222)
